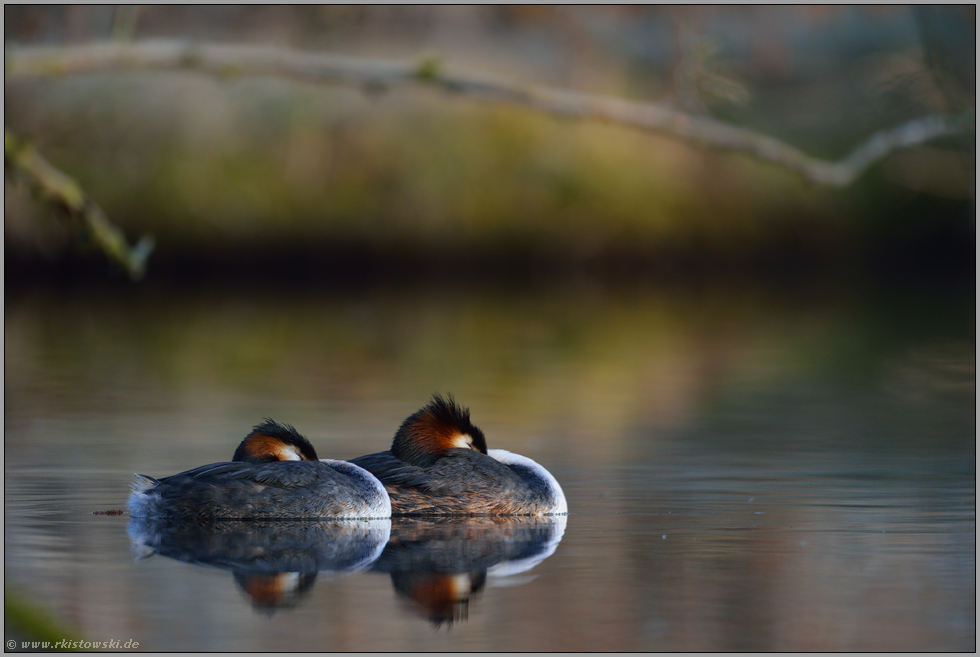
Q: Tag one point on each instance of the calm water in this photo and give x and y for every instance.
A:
(743, 472)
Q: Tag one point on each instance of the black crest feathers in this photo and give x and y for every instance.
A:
(440, 425)
(271, 441)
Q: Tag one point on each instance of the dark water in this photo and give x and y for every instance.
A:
(743, 472)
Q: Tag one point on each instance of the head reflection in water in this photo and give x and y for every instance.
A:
(439, 597)
(276, 591)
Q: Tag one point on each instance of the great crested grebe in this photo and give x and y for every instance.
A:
(275, 474)
(439, 464)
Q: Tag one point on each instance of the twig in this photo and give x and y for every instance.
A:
(55, 187)
(231, 60)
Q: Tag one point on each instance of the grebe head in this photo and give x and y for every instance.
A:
(442, 424)
(271, 441)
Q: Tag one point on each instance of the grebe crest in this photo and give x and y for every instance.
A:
(440, 425)
(271, 441)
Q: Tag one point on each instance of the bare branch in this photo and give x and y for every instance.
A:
(55, 187)
(230, 60)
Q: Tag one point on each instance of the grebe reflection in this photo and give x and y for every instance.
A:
(438, 565)
(274, 561)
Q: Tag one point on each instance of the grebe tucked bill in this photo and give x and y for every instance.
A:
(439, 464)
(275, 474)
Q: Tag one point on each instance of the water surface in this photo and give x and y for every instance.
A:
(743, 472)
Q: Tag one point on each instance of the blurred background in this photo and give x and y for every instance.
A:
(335, 181)
(757, 392)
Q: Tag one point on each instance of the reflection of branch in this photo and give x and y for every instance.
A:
(64, 193)
(374, 74)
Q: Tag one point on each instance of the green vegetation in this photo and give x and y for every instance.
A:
(24, 621)
(245, 163)
(82, 215)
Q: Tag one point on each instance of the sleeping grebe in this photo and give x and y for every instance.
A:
(275, 474)
(439, 465)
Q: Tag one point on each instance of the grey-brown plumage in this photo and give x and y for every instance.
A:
(280, 489)
(431, 471)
